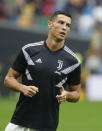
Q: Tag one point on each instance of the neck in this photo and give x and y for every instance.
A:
(54, 44)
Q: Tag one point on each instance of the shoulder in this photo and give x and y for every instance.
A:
(30, 45)
(73, 56)
(32, 48)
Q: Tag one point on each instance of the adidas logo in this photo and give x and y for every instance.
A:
(38, 60)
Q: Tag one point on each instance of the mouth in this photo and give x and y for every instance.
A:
(62, 33)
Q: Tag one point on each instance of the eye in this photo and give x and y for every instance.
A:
(68, 25)
(60, 22)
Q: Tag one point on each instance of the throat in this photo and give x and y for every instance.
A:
(54, 45)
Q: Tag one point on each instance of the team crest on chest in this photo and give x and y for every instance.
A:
(60, 64)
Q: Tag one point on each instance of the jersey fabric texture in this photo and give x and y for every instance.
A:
(47, 70)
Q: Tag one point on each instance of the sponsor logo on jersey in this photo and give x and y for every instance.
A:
(38, 60)
(56, 72)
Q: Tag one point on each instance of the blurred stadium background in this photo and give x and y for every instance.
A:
(25, 21)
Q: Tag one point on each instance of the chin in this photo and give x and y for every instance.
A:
(60, 39)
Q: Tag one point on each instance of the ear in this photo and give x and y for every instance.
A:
(49, 24)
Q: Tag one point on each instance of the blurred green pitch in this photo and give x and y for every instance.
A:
(81, 116)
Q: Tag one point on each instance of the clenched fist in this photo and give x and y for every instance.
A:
(29, 91)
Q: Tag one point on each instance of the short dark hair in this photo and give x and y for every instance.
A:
(56, 13)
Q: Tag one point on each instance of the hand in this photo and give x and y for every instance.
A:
(30, 91)
(62, 98)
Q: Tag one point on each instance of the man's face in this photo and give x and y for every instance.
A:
(60, 26)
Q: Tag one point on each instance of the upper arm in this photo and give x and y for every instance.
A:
(74, 77)
(20, 63)
(12, 73)
(17, 68)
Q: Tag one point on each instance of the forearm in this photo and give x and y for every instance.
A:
(13, 84)
(73, 96)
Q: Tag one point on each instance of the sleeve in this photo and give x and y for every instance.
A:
(20, 63)
(74, 78)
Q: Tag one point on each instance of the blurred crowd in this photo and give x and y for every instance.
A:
(85, 13)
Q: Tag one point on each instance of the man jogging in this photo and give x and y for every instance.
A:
(50, 76)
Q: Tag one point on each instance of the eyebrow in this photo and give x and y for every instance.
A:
(64, 22)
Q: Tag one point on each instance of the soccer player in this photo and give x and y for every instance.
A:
(50, 76)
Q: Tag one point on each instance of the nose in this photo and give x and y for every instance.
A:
(64, 27)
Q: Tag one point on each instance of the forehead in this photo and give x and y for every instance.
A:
(63, 18)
